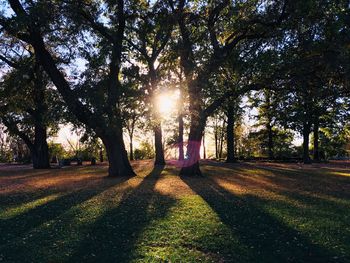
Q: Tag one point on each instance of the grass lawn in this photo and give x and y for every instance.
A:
(252, 212)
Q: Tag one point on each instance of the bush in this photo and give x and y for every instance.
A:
(145, 151)
(56, 151)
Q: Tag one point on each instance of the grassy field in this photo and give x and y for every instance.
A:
(251, 212)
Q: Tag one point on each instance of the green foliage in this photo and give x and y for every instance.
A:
(57, 151)
(282, 143)
(333, 143)
(145, 151)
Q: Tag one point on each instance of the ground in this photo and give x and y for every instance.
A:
(244, 212)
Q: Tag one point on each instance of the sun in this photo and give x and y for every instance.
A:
(165, 103)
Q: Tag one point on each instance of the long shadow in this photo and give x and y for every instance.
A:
(112, 238)
(14, 227)
(18, 198)
(265, 238)
(310, 181)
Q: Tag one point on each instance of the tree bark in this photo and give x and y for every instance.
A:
(270, 141)
(158, 143)
(306, 134)
(101, 155)
(191, 163)
(131, 151)
(181, 120)
(119, 164)
(316, 140)
(216, 141)
(40, 149)
(230, 143)
(221, 139)
(204, 149)
(181, 138)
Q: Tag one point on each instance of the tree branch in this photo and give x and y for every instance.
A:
(13, 128)
(8, 62)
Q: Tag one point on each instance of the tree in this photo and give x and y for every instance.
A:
(203, 25)
(267, 105)
(152, 30)
(98, 109)
(28, 107)
(5, 153)
(233, 113)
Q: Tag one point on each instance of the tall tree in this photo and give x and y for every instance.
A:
(152, 29)
(219, 27)
(42, 23)
(29, 108)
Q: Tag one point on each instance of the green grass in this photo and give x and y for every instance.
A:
(235, 213)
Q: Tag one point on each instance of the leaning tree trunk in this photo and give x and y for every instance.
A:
(191, 164)
(158, 142)
(230, 142)
(316, 139)
(119, 164)
(306, 134)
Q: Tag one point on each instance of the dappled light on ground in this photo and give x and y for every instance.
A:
(242, 212)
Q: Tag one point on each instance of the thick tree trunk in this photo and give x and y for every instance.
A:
(306, 134)
(191, 163)
(181, 138)
(119, 164)
(158, 143)
(230, 143)
(40, 149)
(270, 141)
(316, 138)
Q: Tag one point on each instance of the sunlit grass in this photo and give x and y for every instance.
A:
(16, 210)
(190, 232)
(236, 213)
(341, 173)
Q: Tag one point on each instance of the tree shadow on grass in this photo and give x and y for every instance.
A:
(265, 238)
(14, 227)
(113, 237)
(312, 181)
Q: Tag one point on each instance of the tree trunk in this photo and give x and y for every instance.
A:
(230, 143)
(158, 143)
(270, 141)
(191, 163)
(216, 142)
(131, 148)
(40, 149)
(204, 150)
(181, 138)
(306, 134)
(221, 139)
(119, 164)
(101, 156)
(316, 138)
(181, 120)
